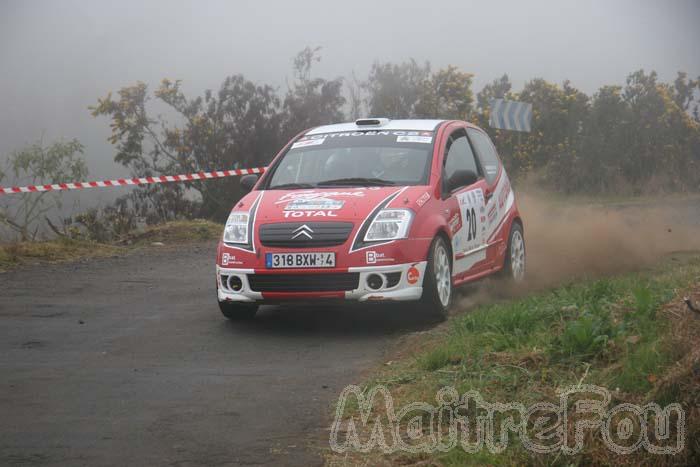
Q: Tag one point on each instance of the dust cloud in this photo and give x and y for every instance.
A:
(566, 240)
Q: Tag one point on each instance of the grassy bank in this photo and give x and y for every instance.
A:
(63, 249)
(631, 334)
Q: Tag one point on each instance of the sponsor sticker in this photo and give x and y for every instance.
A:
(423, 199)
(414, 139)
(297, 214)
(492, 213)
(313, 195)
(455, 222)
(314, 204)
(228, 259)
(375, 257)
(469, 237)
(308, 142)
(346, 134)
(412, 275)
(503, 195)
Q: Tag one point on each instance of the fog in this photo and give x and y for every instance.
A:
(58, 57)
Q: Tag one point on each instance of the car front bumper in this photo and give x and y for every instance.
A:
(242, 285)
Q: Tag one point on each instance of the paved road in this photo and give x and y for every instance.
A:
(127, 361)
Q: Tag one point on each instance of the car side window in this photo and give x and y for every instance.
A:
(459, 155)
(487, 154)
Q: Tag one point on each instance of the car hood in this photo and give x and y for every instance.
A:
(327, 204)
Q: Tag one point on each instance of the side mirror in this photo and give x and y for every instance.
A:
(461, 178)
(249, 181)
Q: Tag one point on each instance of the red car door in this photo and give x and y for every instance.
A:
(495, 179)
(464, 193)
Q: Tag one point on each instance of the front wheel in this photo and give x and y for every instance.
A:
(514, 262)
(238, 311)
(437, 285)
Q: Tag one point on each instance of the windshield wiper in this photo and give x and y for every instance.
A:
(357, 181)
(292, 186)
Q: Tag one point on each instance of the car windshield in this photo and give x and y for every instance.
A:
(361, 158)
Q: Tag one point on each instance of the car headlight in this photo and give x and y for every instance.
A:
(389, 224)
(236, 230)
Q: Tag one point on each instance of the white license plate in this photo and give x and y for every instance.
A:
(299, 260)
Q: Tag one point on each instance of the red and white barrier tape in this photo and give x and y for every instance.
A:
(130, 181)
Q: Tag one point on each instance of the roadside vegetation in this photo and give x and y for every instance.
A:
(638, 138)
(632, 334)
(65, 248)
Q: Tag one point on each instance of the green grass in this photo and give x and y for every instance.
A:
(607, 332)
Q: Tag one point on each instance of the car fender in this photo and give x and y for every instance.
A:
(431, 226)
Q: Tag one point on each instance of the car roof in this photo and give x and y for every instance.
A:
(410, 124)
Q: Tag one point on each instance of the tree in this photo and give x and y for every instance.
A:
(311, 101)
(237, 126)
(241, 125)
(645, 131)
(35, 164)
(356, 97)
(395, 89)
(496, 89)
(684, 90)
(409, 90)
(659, 135)
(603, 144)
(558, 113)
(446, 94)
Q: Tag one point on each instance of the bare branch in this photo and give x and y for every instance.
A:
(54, 228)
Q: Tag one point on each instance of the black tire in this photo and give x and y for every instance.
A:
(511, 271)
(432, 302)
(238, 311)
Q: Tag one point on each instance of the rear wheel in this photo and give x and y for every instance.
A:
(238, 311)
(514, 262)
(437, 284)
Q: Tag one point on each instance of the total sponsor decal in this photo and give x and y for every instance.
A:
(299, 214)
(373, 257)
(412, 275)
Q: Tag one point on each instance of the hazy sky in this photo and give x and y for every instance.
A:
(57, 57)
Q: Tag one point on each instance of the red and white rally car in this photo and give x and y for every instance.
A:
(375, 210)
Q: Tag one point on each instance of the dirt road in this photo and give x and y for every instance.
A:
(127, 361)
